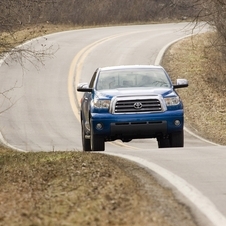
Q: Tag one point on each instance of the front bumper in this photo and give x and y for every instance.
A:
(133, 126)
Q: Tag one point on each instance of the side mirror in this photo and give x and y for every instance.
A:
(181, 83)
(84, 87)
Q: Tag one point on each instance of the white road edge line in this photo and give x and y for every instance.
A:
(191, 193)
(158, 62)
(4, 142)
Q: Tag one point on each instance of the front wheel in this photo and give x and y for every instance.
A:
(85, 142)
(177, 139)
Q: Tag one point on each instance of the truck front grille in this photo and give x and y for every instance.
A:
(137, 105)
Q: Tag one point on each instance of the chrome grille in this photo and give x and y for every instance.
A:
(137, 105)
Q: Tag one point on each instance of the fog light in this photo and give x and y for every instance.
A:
(99, 126)
(177, 122)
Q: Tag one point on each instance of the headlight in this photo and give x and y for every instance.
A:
(101, 103)
(172, 101)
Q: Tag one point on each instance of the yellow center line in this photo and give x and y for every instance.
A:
(75, 75)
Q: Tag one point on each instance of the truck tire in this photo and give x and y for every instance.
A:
(85, 142)
(177, 139)
(97, 142)
(163, 142)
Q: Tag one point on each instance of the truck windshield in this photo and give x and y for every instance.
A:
(127, 78)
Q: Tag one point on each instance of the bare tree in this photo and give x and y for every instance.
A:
(17, 15)
(20, 17)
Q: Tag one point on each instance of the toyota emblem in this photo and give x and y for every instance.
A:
(138, 105)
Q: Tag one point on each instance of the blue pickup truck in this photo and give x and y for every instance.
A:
(131, 102)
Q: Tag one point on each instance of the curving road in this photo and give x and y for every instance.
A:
(45, 109)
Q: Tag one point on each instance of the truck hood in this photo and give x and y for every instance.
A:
(110, 93)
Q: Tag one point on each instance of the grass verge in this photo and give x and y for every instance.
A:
(75, 188)
(197, 60)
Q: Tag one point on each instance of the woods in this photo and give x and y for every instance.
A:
(17, 13)
(20, 14)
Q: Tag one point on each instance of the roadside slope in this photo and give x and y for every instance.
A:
(196, 59)
(76, 188)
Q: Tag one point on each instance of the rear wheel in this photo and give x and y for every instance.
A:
(97, 141)
(85, 142)
(177, 139)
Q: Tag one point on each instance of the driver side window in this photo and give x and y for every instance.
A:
(91, 84)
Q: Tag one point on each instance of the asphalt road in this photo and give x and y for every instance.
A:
(44, 115)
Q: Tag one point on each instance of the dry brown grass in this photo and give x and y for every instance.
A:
(197, 60)
(10, 40)
(75, 188)
(65, 189)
